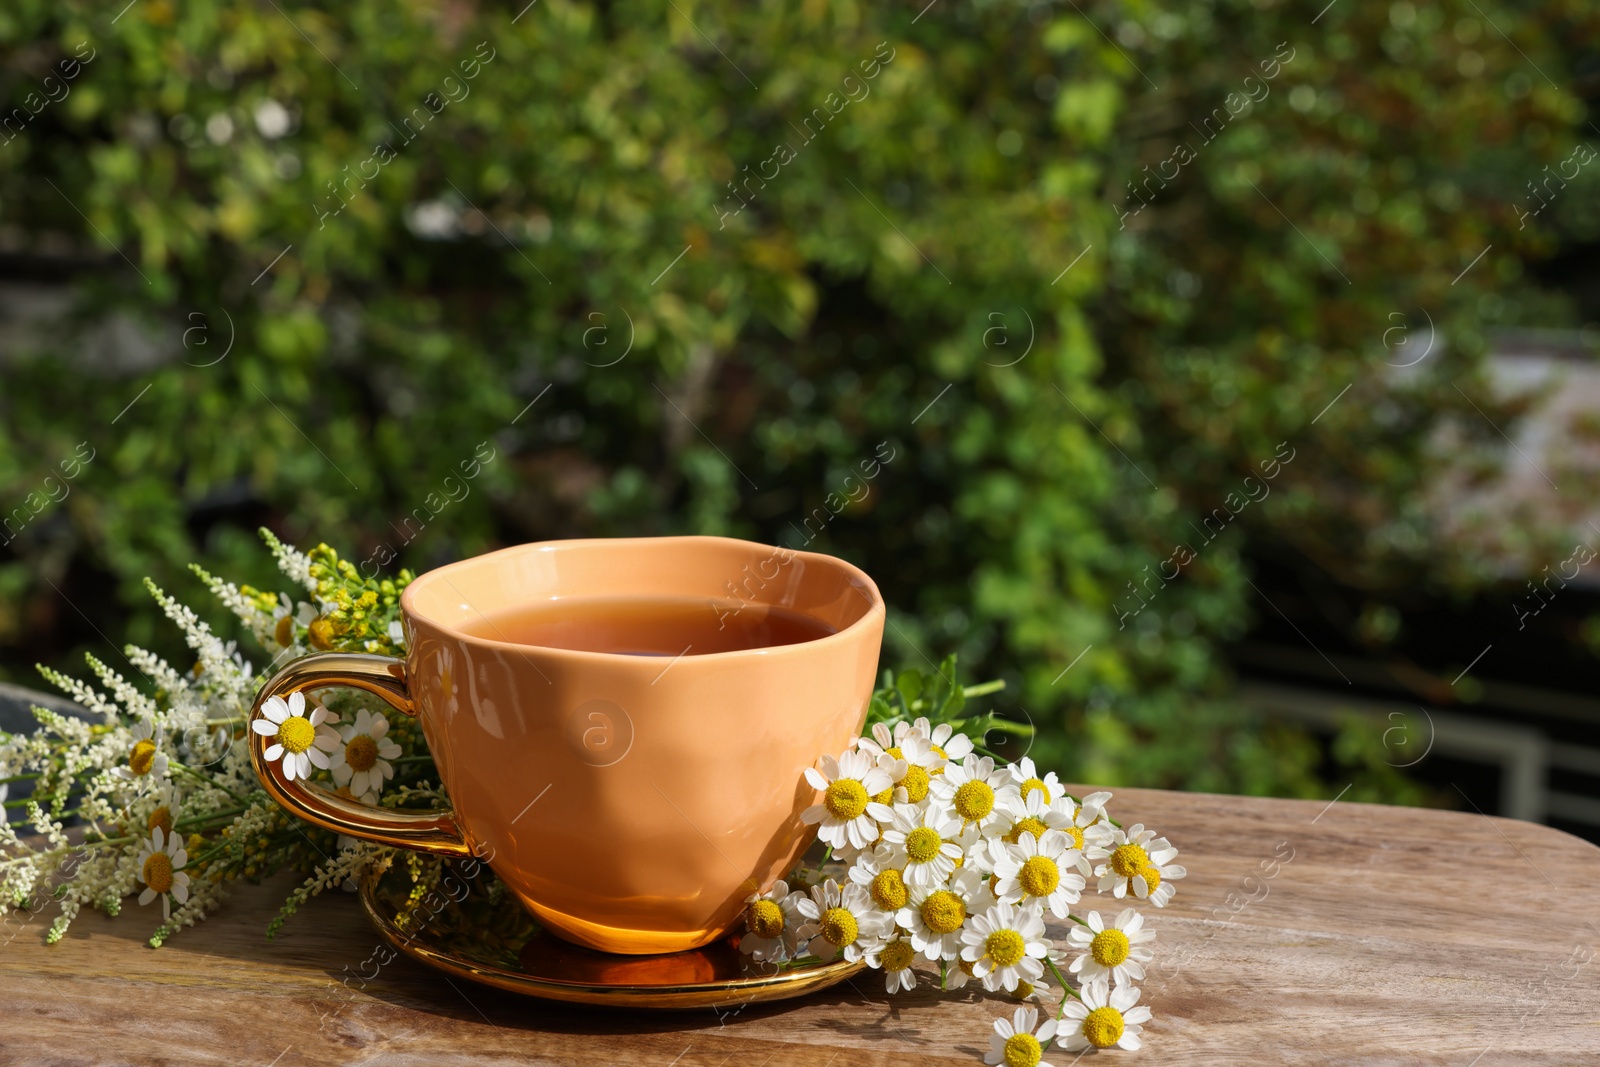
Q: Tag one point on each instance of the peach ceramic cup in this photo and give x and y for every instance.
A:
(631, 803)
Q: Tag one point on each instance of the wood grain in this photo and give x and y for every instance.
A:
(1383, 936)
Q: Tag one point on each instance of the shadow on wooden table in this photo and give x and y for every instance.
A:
(319, 956)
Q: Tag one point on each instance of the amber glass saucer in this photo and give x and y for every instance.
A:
(471, 927)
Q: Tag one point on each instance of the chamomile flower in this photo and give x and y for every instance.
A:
(1027, 780)
(164, 811)
(959, 974)
(1154, 882)
(1090, 828)
(286, 616)
(161, 861)
(935, 915)
(848, 815)
(772, 923)
(230, 657)
(1033, 814)
(883, 737)
(922, 841)
(1035, 870)
(973, 789)
(1137, 860)
(1114, 953)
(362, 762)
(946, 742)
(916, 763)
(302, 741)
(894, 957)
(883, 877)
(1016, 1043)
(976, 849)
(1104, 1017)
(1038, 991)
(841, 922)
(1092, 808)
(1005, 945)
(146, 762)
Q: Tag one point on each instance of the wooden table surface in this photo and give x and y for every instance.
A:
(1382, 936)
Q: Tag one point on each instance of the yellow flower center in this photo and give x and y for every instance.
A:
(839, 927)
(296, 733)
(897, 955)
(283, 633)
(1035, 784)
(1076, 834)
(764, 918)
(943, 912)
(158, 872)
(1151, 876)
(1109, 947)
(845, 799)
(1029, 825)
(1039, 876)
(942, 753)
(143, 757)
(1022, 1050)
(1103, 1027)
(361, 753)
(1023, 991)
(320, 633)
(1005, 947)
(974, 800)
(896, 752)
(922, 844)
(885, 797)
(916, 783)
(966, 967)
(889, 891)
(1128, 859)
(161, 817)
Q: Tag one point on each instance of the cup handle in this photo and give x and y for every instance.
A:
(383, 676)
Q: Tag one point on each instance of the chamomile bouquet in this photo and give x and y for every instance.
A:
(958, 857)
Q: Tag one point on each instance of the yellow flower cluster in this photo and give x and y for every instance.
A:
(361, 608)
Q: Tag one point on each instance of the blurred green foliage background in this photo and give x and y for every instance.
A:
(691, 266)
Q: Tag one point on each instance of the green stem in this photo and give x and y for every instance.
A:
(983, 688)
(20, 778)
(1077, 920)
(208, 780)
(23, 802)
(189, 823)
(197, 820)
(1065, 987)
